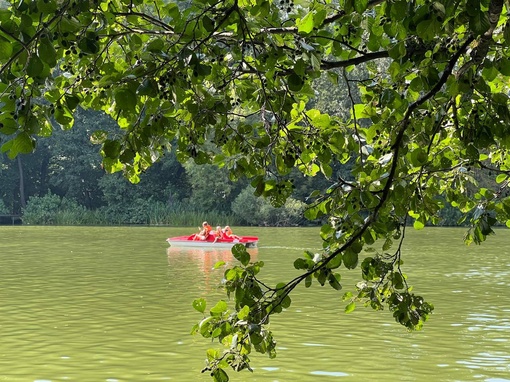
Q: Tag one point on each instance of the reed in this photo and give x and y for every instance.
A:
(181, 215)
(52, 210)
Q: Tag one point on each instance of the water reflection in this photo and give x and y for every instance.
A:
(205, 260)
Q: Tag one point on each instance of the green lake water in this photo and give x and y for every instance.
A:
(114, 304)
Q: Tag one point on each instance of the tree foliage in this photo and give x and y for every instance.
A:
(230, 83)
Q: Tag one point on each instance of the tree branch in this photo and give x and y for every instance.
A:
(480, 51)
(389, 180)
(327, 65)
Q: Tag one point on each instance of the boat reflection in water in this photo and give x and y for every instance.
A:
(205, 259)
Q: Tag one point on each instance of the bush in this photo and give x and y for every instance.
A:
(450, 217)
(41, 210)
(291, 214)
(258, 211)
(3, 208)
(250, 209)
(51, 209)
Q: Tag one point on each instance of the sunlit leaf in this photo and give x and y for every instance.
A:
(350, 307)
(199, 305)
(220, 307)
(305, 25)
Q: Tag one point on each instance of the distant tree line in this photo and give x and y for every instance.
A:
(63, 182)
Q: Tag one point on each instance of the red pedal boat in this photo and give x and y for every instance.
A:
(212, 242)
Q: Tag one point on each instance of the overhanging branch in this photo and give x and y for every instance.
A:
(396, 147)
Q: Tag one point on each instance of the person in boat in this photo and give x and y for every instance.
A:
(228, 234)
(218, 234)
(204, 232)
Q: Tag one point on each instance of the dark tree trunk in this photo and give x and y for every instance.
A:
(21, 183)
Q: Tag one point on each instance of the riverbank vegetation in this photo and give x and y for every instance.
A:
(63, 183)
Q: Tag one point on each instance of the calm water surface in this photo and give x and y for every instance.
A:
(114, 304)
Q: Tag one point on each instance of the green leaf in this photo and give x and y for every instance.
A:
(333, 77)
(350, 307)
(5, 15)
(425, 30)
(398, 50)
(111, 149)
(148, 87)
(230, 274)
(479, 22)
(398, 10)
(89, 45)
(219, 375)
(35, 66)
(22, 144)
(295, 82)
(418, 224)
(199, 304)
(472, 152)
(156, 45)
(243, 313)
(300, 264)
(335, 262)
(5, 48)
(503, 65)
(360, 6)
(387, 244)
(7, 146)
(47, 52)
(125, 99)
(208, 23)
(419, 157)
(285, 303)
(416, 84)
(506, 34)
(501, 178)
(8, 126)
(218, 309)
(350, 259)
(47, 6)
(305, 25)
(241, 254)
(72, 101)
(398, 281)
(64, 117)
(334, 281)
(69, 25)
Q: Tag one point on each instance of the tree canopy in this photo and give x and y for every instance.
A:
(232, 83)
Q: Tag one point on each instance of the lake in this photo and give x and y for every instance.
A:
(114, 304)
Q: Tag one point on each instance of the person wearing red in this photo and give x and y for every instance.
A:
(204, 232)
(228, 234)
